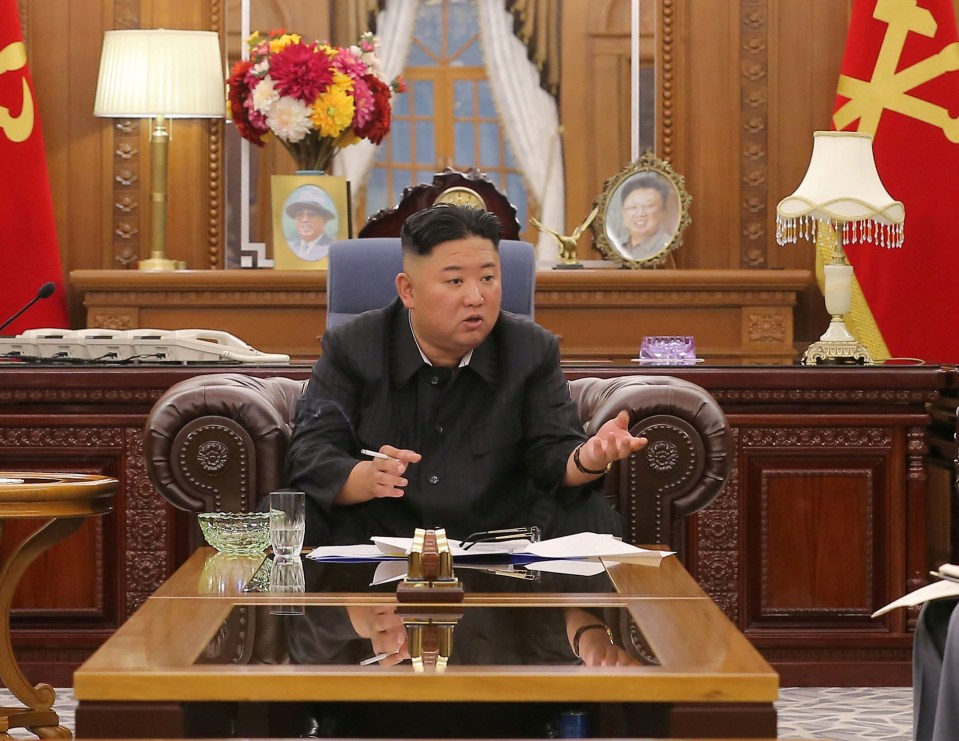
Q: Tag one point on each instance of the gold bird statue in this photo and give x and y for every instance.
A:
(567, 243)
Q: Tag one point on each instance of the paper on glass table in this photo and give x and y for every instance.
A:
(576, 546)
(591, 545)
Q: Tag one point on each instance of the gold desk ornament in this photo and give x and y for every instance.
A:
(429, 573)
(568, 259)
(461, 196)
(430, 598)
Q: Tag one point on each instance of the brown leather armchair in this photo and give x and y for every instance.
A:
(218, 442)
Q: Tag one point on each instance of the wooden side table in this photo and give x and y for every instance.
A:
(63, 500)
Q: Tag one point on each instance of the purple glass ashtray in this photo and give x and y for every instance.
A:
(668, 350)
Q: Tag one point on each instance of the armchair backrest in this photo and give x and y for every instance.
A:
(362, 272)
(218, 442)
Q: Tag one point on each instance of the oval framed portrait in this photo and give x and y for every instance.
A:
(641, 214)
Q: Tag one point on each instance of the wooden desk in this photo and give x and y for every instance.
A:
(146, 678)
(823, 521)
(62, 501)
(737, 316)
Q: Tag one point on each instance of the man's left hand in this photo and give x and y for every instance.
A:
(612, 442)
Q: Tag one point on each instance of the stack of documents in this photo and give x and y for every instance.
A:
(578, 546)
(581, 554)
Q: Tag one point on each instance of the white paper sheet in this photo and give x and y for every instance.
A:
(577, 546)
(936, 590)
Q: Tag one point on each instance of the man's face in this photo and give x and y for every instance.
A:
(643, 212)
(454, 295)
(309, 223)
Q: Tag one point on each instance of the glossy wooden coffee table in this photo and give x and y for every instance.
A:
(197, 641)
(64, 501)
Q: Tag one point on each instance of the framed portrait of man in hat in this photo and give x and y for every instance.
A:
(310, 212)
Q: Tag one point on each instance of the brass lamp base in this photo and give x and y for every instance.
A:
(836, 353)
(157, 262)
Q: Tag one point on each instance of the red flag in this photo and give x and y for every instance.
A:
(900, 82)
(29, 255)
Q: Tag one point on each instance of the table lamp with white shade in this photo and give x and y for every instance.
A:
(160, 74)
(841, 191)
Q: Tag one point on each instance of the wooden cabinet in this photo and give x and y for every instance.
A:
(823, 520)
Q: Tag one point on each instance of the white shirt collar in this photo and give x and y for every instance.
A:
(464, 361)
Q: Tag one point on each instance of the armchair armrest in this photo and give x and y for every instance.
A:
(219, 441)
(684, 467)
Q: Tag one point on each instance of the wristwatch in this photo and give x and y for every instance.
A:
(582, 629)
(582, 469)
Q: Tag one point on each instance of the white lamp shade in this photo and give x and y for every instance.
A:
(173, 73)
(842, 183)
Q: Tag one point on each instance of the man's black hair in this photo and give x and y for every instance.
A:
(645, 181)
(445, 222)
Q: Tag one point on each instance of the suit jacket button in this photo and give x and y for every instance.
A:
(434, 479)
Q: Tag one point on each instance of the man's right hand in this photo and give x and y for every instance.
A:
(380, 477)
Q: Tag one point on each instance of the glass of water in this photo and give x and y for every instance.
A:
(287, 522)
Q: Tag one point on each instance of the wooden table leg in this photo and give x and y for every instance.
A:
(37, 715)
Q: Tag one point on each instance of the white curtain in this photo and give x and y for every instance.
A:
(394, 27)
(530, 118)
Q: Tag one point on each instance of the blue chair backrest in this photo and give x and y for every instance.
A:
(362, 276)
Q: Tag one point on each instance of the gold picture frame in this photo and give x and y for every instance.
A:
(309, 213)
(641, 214)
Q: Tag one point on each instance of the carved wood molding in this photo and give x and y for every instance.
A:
(215, 186)
(754, 94)
(767, 327)
(659, 298)
(911, 396)
(148, 561)
(65, 395)
(804, 437)
(718, 532)
(667, 79)
(126, 222)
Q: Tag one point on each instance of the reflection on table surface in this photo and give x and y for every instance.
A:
(389, 635)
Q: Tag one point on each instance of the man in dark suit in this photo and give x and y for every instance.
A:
(466, 405)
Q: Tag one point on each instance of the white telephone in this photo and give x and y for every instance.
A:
(135, 345)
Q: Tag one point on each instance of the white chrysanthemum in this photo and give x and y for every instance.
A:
(374, 63)
(264, 95)
(261, 67)
(289, 119)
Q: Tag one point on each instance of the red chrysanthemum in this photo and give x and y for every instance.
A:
(239, 81)
(301, 72)
(379, 124)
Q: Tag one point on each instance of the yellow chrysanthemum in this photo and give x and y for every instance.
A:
(332, 112)
(342, 81)
(284, 41)
(326, 49)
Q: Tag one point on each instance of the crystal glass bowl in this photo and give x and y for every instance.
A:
(236, 532)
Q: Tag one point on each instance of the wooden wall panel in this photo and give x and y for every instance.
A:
(742, 86)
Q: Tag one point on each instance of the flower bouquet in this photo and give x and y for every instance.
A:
(315, 98)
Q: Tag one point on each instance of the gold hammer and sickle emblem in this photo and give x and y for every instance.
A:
(17, 128)
(887, 88)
